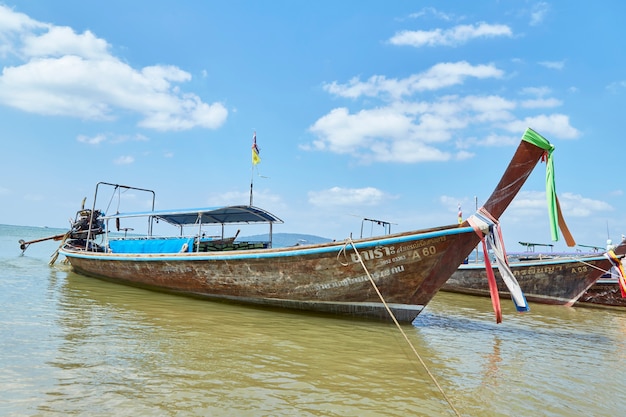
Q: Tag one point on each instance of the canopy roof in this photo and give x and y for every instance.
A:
(211, 215)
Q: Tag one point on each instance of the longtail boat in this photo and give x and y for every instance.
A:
(604, 293)
(560, 279)
(609, 291)
(386, 277)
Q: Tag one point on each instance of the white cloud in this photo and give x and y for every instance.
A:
(338, 196)
(463, 155)
(616, 86)
(12, 25)
(63, 73)
(261, 197)
(124, 160)
(449, 37)
(419, 131)
(536, 91)
(94, 140)
(538, 13)
(61, 41)
(485, 109)
(431, 11)
(576, 205)
(539, 100)
(103, 137)
(491, 140)
(410, 132)
(541, 103)
(556, 65)
(344, 133)
(228, 198)
(533, 203)
(556, 125)
(138, 137)
(438, 76)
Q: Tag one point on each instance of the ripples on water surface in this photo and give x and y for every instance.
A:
(77, 346)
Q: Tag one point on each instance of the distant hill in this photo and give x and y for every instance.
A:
(281, 240)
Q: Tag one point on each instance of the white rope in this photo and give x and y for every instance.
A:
(580, 260)
(393, 317)
(588, 264)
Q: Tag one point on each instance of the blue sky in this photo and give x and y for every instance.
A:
(396, 110)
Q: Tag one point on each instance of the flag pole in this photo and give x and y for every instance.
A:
(252, 169)
(255, 160)
(251, 176)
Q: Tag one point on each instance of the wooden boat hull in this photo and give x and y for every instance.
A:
(604, 293)
(560, 281)
(327, 278)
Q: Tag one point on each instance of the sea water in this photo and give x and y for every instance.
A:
(72, 346)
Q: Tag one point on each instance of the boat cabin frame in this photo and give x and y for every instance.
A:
(196, 218)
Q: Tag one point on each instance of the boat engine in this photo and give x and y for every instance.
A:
(88, 222)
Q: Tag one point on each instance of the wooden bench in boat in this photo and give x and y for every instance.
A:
(226, 245)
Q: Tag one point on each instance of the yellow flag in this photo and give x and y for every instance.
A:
(255, 151)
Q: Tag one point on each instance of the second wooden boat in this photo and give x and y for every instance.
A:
(553, 279)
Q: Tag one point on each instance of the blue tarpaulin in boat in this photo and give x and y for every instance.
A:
(169, 245)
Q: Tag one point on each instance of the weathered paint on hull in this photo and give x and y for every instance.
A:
(325, 278)
(605, 293)
(559, 282)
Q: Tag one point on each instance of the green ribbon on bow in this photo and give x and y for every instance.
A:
(554, 208)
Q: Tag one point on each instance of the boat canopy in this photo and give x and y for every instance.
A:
(211, 215)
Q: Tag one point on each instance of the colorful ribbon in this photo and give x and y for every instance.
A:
(617, 264)
(554, 208)
(488, 229)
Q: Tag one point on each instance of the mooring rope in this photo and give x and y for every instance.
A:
(393, 317)
(582, 261)
(593, 266)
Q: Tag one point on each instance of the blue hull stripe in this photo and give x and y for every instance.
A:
(544, 262)
(219, 256)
